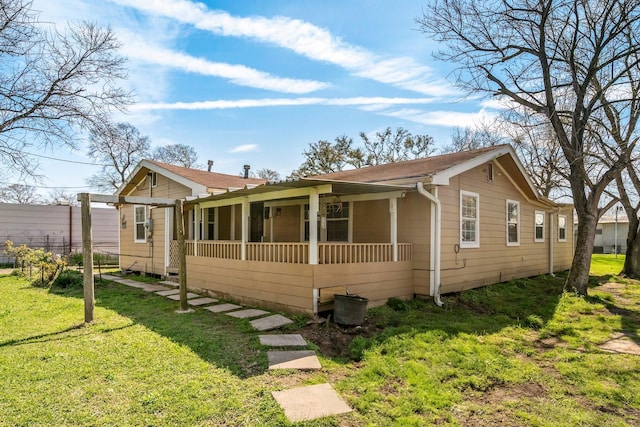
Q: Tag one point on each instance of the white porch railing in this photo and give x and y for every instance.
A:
(294, 252)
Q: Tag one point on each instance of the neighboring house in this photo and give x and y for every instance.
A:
(56, 228)
(418, 228)
(611, 233)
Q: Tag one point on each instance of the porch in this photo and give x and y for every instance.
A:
(279, 276)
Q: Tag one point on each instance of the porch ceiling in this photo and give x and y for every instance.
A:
(286, 189)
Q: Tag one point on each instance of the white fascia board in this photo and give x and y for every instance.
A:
(442, 178)
(263, 197)
(194, 186)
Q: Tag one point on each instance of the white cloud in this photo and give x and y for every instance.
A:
(303, 38)
(367, 103)
(443, 118)
(244, 148)
(237, 74)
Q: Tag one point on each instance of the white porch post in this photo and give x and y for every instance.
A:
(314, 205)
(393, 222)
(196, 228)
(245, 228)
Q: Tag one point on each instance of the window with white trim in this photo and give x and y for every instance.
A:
(154, 179)
(469, 219)
(333, 225)
(538, 224)
(513, 223)
(140, 230)
(562, 228)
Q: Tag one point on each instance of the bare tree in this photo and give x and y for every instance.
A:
(52, 83)
(61, 197)
(388, 146)
(20, 193)
(563, 60)
(467, 138)
(119, 148)
(176, 154)
(268, 174)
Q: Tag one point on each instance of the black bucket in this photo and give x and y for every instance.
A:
(349, 309)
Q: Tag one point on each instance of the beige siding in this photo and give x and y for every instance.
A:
(375, 281)
(371, 221)
(148, 257)
(414, 226)
(286, 227)
(286, 287)
(493, 261)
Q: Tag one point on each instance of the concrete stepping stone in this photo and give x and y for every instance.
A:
(294, 359)
(202, 301)
(246, 314)
(168, 292)
(153, 288)
(176, 297)
(169, 283)
(270, 322)
(220, 308)
(310, 402)
(284, 340)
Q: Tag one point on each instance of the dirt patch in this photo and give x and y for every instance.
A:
(334, 340)
(488, 408)
(5, 271)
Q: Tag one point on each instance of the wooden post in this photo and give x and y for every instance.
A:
(87, 257)
(184, 307)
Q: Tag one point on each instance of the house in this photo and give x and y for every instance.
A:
(56, 228)
(611, 232)
(418, 228)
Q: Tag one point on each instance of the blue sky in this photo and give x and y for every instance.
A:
(257, 82)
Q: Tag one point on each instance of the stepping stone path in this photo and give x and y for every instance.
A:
(220, 308)
(246, 314)
(271, 322)
(284, 340)
(311, 402)
(201, 301)
(294, 359)
(298, 404)
(176, 297)
(169, 292)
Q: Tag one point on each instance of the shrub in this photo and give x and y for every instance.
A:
(68, 279)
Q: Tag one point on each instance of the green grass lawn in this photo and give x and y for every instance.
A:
(513, 354)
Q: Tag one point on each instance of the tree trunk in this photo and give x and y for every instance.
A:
(578, 278)
(632, 259)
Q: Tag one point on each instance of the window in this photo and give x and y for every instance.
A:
(211, 224)
(338, 222)
(140, 214)
(598, 230)
(333, 225)
(469, 220)
(490, 172)
(513, 223)
(562, 228)
(154, 179)
(539, 226)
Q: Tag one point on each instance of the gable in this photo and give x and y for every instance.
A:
(198, 181)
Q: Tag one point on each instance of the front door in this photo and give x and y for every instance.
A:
(256, 224)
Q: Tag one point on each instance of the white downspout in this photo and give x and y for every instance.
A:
(435, 249)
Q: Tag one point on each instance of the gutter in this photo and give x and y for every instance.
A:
(435, 243)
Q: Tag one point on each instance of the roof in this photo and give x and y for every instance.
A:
(407, 170)
(200, 181)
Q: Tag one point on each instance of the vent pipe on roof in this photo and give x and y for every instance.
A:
(246, 171)
(209, 165)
